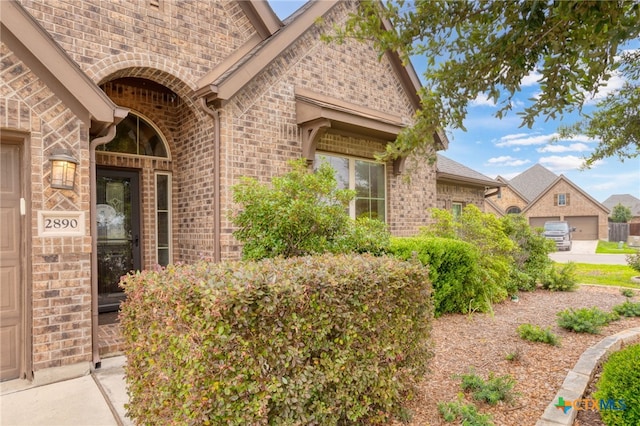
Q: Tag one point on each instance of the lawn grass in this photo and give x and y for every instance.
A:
(611, 247)
(613, 275)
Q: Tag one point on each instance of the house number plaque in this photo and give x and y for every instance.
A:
(61, 224)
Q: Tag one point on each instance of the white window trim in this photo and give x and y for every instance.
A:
(352, 179)
(564, 199)
(169, 213)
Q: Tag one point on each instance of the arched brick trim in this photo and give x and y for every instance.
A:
(160, 70)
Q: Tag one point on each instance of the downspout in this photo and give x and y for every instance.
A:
(95, 347)
(215, 114)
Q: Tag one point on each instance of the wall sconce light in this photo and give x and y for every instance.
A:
(63, 170)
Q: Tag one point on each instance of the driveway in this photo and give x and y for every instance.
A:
(585, 252)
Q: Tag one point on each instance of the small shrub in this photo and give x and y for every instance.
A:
(627, 292)
(633, 260)
(458, 282)
(514, 355)
(585, 320)
(535, 333)
(628, 309)
(491, 391)
(620, 382)
(561, 279)
(465, 414)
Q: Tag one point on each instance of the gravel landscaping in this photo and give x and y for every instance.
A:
(483, 341)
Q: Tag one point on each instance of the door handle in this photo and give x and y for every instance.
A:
(136, 241)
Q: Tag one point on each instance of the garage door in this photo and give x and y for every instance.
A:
(538, 222)
(586, 227)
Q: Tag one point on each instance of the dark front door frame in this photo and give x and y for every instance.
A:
(132, 238)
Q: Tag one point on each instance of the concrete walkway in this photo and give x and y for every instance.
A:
(96, 399)
(585, 252)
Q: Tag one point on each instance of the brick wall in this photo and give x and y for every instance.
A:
(450, 193)
(60, 276)
(508, 198)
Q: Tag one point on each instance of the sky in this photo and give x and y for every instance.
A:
(500, 147)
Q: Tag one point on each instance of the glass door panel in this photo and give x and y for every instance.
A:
(118, 219)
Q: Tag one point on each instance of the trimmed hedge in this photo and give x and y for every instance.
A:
(619, 388)
(453, 271)
(311, 340)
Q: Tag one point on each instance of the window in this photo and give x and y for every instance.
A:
(135, 135)
(514, 210)
(163, 218)
(367, 178)
(561, 200)
(456, 209)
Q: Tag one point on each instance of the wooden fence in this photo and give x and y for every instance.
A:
(618, 231)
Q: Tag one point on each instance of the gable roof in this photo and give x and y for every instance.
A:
(570, 183)
(533, 181)
(37, 49)
(449, 170)
(231, 76)
(626, 200)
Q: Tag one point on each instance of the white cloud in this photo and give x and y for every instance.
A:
(559, 164)
(483, 100)
(523, 139)
(574, 147)
(612, 85)
(506, 160)
(531, 79)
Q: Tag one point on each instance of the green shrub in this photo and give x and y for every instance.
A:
(458, 285)
(561, 278)
(531, 254)
(366, 235)
(620, 382)
(485, 232)
(585, 320)
(628, 309)
(633, 260)
(491, 391)
(300, 213)
(308, 340)
(535, 333)
(627, 292)
(465, 414)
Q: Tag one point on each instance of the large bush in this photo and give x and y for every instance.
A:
(310, 340)
(458, 284)
(620, 383)
(531, 252)
(485, 232)
(301, 213)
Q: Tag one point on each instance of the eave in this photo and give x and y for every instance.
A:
(35, 47)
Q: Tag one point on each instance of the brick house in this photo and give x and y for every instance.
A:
(156, 109)
(541, 195)
(459, 185)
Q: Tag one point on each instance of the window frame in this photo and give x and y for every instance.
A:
(453, 209)
(352, 179)
(562, 196)
(168, 211)
(101, 148)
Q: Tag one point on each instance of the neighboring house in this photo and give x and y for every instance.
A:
(458, 186)
(156, 109)
(626, 200)
(540, 195)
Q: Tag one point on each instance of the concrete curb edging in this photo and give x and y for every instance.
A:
(577, 380)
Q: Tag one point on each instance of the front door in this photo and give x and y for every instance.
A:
(118, 217)
(11, 298)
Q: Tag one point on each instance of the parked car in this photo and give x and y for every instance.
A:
(560, 233)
